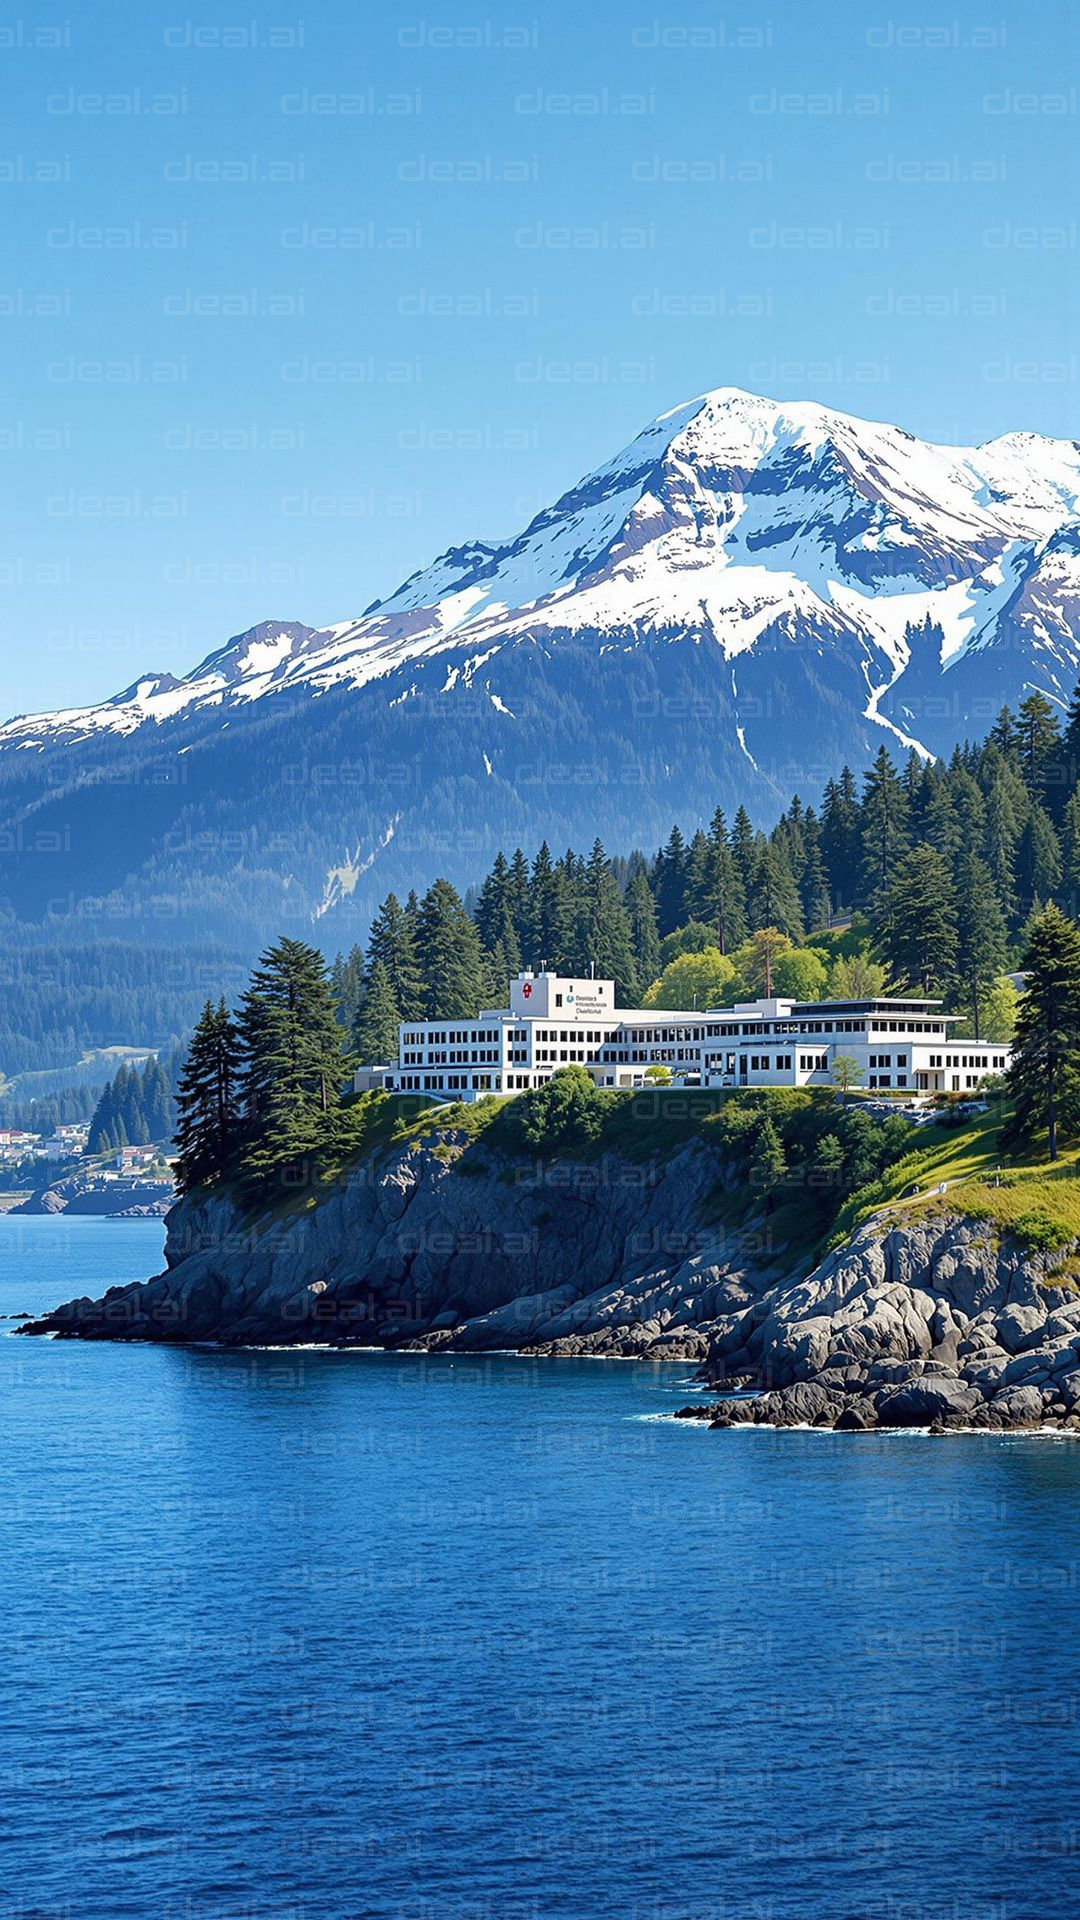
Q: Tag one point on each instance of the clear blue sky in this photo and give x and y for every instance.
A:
(482, 247)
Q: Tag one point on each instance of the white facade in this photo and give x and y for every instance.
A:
(554, 1021)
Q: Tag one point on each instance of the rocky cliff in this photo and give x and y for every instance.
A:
(934, 1319)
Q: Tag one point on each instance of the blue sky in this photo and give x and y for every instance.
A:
(403, 274)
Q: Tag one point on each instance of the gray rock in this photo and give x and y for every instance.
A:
(923, 1401)
(857, 1417)
(1019, 1406)
(1019, 1327)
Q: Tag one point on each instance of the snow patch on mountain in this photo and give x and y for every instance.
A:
(755, 527)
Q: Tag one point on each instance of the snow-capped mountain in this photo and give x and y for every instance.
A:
(747, 595)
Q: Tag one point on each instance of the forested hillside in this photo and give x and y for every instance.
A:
(932, 871)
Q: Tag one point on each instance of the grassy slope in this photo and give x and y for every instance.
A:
(1018, 1193)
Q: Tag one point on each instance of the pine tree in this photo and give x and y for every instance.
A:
(448, 949)
(883, 824)
(840, 844)
(774, 897)
(669, 883)
(915, 920)
(347, 980)
(743, 843)
(496, 915)
(1070, 854)
(208, 1117)
(610, 949)
(814, 881)
(392, 942)
(1044, 1079)
(768, 1165)
(980, 931)
(518, 894)
(496, 976)
(292, 1062)
(1038, 862)
(1067, 760)
(375, 1035)
(547, 926)
(644, 938)
(696, 877)
(725, 895)
(1038, 738)
(1003, 733)
(1005, 806)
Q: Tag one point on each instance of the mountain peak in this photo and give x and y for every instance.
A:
(733, 519)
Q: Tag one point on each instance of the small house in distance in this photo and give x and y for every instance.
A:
(554, 1021)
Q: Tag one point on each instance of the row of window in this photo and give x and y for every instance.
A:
(989, 1062)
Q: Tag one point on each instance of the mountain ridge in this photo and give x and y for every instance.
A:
(747, 595)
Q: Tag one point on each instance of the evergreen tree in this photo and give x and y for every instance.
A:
(1044, 1078)
(548, 929)
(1070, 854)
(497, 913)
(814, 880)
(743, 843)
(208, 1117)
(496, 976)
(392, 943)
(724, 903)
(1038, 863)
(1067, 762)
(915, 921)
(774, 897)
(644, 938)
(1038, 738)
(518, 894)
(347, 981)
(1005, 807)
(695, 889)
(448, 949)
(840, 841)
(767, 1163)
(669, 883)
(292, 1062)
(883, 823)
(610, 949)
(375, 1035)
(980, 930)
(1003, 734)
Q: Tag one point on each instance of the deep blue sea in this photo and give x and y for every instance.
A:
(339, 1635)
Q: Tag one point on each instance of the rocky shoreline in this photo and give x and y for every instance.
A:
(924, 1319)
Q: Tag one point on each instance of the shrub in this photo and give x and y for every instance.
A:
(564, 1115)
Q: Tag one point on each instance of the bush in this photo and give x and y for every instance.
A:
(1042, 1231)
(566, 1114)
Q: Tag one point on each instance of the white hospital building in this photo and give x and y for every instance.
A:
(554, 1021)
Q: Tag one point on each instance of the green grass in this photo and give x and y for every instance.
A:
(1018, 1194)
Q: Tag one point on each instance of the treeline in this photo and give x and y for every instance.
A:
(941, 864)
(49, 1111)
(59, 1002)
(137, 1108)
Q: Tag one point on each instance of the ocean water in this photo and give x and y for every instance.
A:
(339, 1635)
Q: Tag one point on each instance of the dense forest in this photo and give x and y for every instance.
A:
(922, 877)
(941, 875)
(67, 999)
